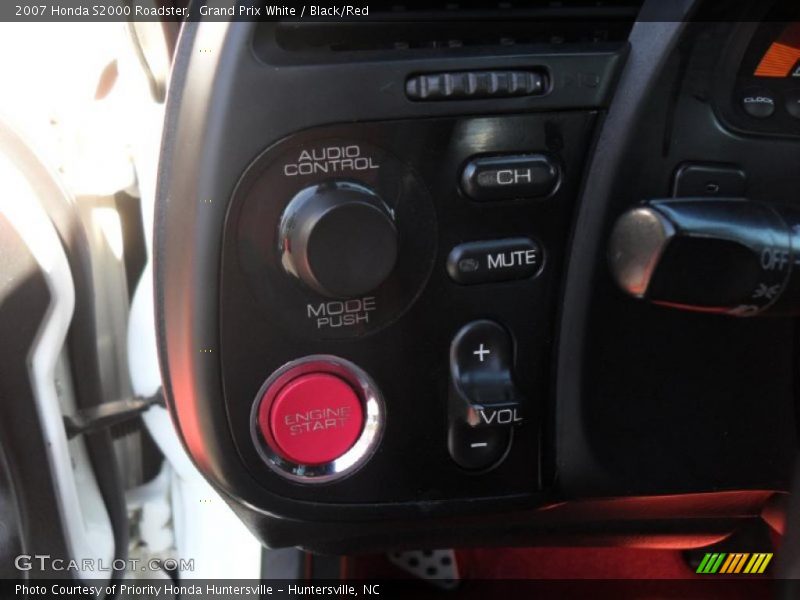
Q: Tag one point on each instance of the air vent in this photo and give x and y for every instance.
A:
(452, 27)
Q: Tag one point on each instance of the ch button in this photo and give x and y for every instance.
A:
(484, 403)
(506, 177)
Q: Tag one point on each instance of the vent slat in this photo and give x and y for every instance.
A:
(418, 26)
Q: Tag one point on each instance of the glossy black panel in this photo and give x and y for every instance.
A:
(404, 341)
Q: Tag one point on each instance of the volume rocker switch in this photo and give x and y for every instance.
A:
(477, 449)
(484, 403)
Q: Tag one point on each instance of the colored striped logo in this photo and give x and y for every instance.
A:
(734, 563)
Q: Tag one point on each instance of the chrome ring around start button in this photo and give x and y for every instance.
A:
(361, 450)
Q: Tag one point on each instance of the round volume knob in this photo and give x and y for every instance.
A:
(339, 238)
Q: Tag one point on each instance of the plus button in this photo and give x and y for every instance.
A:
(481, 352)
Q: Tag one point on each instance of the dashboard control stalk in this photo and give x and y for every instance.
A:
(729, 255)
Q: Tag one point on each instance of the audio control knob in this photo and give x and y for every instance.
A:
(339, 238)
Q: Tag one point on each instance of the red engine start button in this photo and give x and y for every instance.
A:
(313, 419)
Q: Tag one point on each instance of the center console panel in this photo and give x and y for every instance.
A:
(359, 267)
(361, 283)
(459, 262)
